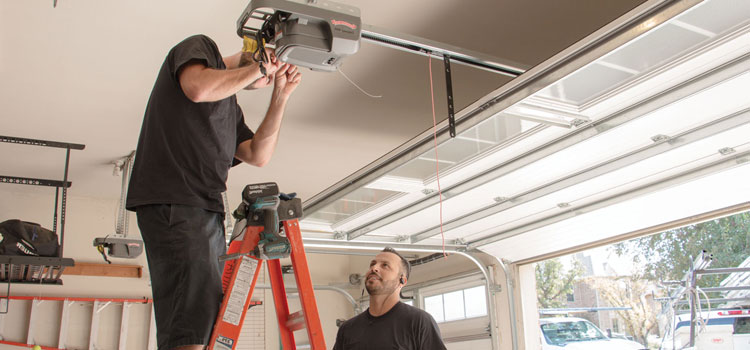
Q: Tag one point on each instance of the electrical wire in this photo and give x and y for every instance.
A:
(700, 309)
(703, 323)
(259, 55)
(266, 33)
(437, 160)
(357, 86)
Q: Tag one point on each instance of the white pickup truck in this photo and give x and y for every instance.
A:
(723, 330)
(572, 333)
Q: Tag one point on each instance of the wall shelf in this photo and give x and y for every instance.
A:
(33, 269)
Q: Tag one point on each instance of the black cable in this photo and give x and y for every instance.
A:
(266, 33)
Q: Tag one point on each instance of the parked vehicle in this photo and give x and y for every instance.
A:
(613, 335)
(573, 333)
(724, 330)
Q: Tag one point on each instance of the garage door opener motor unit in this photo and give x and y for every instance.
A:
(313, 34)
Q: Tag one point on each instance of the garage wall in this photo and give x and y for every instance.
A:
(86, 219)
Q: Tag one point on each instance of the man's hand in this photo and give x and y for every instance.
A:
(260, 83)
(286, 80)
(271, 67)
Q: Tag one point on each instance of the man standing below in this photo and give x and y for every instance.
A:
(389, 323)
(193, 132)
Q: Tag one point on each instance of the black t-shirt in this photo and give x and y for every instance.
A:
(403, 327)
(185, 148)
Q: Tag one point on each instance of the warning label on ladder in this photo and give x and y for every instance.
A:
(240, 290)
(223, 343)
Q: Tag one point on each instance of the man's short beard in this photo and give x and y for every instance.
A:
(387, 287)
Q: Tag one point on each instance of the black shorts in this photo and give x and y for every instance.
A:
(183, 245)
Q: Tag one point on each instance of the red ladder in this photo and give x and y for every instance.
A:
(240, 283)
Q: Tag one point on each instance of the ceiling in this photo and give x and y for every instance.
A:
(82, 71)
(600, 139)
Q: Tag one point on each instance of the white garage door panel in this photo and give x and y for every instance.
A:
(720, 190)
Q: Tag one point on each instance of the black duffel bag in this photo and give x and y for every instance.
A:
(27, 238)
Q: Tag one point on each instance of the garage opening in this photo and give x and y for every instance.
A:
(647, 291)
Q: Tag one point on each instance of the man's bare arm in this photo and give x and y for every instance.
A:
(258, 150)
(203, 84)
(239, 59)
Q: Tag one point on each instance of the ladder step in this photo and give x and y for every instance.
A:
(296, 321)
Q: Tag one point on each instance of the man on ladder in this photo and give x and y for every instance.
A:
(193, 132)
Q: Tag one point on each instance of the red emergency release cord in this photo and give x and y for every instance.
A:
(437, 160)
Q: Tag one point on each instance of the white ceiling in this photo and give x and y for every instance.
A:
(82, 73)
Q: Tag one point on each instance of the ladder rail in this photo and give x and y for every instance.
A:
(305, 285)
(233, 308)
(281, 303)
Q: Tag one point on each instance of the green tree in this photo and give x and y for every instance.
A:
(668, 255)
(553, 284)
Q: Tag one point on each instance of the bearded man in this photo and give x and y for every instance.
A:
(388, 323)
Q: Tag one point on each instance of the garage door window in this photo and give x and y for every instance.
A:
(457, 305)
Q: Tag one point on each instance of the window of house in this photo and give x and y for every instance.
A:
(571, 297)
(457, 305)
